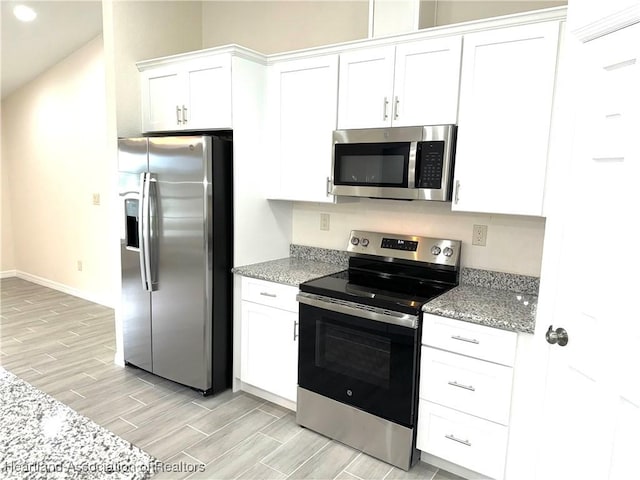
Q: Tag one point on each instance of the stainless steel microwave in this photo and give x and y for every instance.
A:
(407, 163)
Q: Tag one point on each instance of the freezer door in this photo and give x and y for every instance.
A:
(181, 302)
(135, 305)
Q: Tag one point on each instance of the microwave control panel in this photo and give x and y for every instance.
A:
(429, 164)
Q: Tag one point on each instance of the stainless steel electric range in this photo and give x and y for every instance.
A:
(359, 344)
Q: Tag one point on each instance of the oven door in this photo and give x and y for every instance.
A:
(368, 364)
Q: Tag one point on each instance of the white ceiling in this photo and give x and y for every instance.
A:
(28, 49)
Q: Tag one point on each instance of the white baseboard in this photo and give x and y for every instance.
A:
(8, 274)
(258, 392)
(101, 300)
(118, 358)
(451, 467)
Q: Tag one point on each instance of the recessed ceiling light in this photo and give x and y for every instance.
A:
(24, 13)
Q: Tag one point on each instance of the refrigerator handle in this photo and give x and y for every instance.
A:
(152, 259)
(143, 233)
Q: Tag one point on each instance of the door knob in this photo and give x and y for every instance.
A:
(559, 336)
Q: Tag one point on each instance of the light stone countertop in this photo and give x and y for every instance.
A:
(289, 271)
(494, 299)
(41, 438)
(491, 307)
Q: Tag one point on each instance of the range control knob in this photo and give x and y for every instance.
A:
(365, 242)
(435, 250)
(448, 251)
(355, 240)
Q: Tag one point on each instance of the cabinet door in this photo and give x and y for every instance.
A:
(427, 77)
(270, 349)
(366, 88)
(304, 103)
(468, 441)
(161, 99)
(208, 99)
(506, 94)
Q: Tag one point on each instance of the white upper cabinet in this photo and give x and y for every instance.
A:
(209, 94)
(302, 106)
(506, 94)
(414, 83)
(366, 88)
(427, 79)
(187, 95)
(161, 99)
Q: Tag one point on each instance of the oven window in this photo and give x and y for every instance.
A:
(368, 364)
(359, 355)
(372, 164)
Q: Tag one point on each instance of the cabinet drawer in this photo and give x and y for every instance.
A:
(473, 386)
(479, 445)
(469, 339)
(270, 294)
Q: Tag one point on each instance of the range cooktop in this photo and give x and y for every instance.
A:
(394, 272)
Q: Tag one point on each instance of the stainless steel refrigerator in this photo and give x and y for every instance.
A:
(176, 255)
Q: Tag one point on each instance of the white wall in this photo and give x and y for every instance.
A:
(514, 244)
(7, 257)
(139, 30)
(446, 12)
(280, 26)
(54, 145)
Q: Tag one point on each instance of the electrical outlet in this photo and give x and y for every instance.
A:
(324, 221)
(96, 199)
(79, 265)
(479, 237)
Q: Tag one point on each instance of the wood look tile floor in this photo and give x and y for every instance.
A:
(65, 346)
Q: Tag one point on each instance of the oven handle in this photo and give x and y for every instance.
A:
(351, 308)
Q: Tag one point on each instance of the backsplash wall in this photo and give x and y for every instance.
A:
(514, 243)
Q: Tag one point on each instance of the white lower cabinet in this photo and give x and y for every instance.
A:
(469, 441)
(480, 388)
(269, 343)
(466, 379)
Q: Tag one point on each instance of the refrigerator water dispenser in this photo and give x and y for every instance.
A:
(131, 213)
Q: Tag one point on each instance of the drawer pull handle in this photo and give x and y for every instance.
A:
(463, 339)
(459, 385)
(267, 294)
(464, 442)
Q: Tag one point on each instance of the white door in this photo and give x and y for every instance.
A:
(161, 98)
(270, 349)
(209, 94)
(591, 425)
(305, 100)
(366, 88)
(506, 93)
(427, 80)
